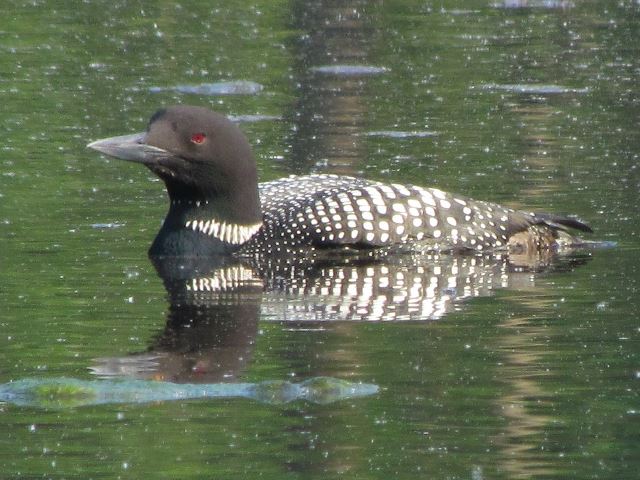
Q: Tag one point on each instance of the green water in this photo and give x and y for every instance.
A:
(535, 376)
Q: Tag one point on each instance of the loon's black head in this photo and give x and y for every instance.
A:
(207, 166)
(199, 154)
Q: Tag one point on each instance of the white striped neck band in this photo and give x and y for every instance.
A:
(225, 232)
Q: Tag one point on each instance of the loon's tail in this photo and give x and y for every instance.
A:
(563, 222)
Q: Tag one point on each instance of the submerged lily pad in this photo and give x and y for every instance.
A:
(71, 392)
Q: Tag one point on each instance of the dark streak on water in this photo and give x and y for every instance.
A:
(532, 89)
(238, 87)
(349, 70)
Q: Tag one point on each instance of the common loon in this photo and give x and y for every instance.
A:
(218, 207)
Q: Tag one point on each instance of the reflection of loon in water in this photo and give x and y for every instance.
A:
(399, 287)
(215, 305)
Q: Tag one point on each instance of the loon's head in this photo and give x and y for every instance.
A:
(200, 155)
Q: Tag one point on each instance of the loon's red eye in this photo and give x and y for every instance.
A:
(198, 138)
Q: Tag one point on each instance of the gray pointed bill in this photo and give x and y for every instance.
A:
(129, 147)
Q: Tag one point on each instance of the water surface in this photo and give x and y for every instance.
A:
(486, 369)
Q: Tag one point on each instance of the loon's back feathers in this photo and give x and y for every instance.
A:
(217, 206)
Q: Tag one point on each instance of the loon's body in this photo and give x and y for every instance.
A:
(218, 207)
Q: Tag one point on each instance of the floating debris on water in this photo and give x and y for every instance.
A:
(549, 4)
(529, 88)
(107, 225)
(349, 70)
(401, 134)
(253, 118)
(71, 392)
(236, 87)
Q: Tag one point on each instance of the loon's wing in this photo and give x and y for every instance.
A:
(331, 210)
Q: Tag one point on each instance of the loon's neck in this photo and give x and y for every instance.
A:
(205, 226)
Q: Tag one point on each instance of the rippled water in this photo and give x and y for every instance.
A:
(487, 368)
